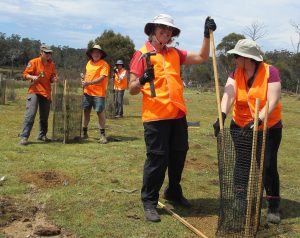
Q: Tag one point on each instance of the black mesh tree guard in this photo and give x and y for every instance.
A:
(67, 111)
(239, 182)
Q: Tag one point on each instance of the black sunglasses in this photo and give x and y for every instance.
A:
(48, 53)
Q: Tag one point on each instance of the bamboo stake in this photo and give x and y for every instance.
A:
(65, 101)
(184, 222)
(261, 169)
(252, 171)
(54, 109)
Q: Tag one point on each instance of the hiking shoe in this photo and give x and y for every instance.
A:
(180, 201)
(103, 139)
(24, 141)
(43, 138)
(273, 216)
(151, 215)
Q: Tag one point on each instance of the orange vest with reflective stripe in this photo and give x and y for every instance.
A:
(120, 79)
(93, 72)
(169, 101)
(244, 105)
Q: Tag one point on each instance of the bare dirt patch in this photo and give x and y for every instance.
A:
(19, 221)
(203, 163)
(45, 179)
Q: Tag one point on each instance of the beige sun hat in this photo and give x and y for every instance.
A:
(46, 48)
(97, 47)
(163, 19)
(247, 48)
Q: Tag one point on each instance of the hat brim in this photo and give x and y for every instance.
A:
(89, 52)
(47, 51)
(256, 58)
(149, 28)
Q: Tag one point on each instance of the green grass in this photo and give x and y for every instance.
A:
(89, 208)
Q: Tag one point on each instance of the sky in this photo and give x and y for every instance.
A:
(75, 23)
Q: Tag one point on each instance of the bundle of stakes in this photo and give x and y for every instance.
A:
(241, 165)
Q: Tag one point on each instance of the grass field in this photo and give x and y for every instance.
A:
(77, 186)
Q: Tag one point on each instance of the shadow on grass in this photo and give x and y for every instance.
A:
(210, 206)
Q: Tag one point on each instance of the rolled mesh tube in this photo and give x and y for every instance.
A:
(234, 160)
(67, 111)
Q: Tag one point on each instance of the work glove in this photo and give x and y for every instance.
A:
(148, 76)
(209, 25)
(246, 130)
(115, 69)
(216, 125)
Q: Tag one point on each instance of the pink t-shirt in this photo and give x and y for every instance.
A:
(138, 66)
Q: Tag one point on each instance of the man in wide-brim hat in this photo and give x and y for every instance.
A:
(164, 116)
(95, 84)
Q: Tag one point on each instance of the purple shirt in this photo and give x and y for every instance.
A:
(273, 78)
(273, 75)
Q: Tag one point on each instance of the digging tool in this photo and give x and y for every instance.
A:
(147, 55)
(184, 222)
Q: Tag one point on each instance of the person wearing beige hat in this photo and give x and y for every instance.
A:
(253, 78)
(41, 73)
(164, 116)
(94, 84)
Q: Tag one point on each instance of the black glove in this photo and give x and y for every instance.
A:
(216, 125)
(147, 76)
(246, 130)
(209, 25)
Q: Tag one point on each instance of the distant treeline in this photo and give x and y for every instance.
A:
(16, 51)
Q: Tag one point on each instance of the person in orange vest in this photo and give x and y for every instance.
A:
(41, 73)
(94, 86)
(120, 84)
(253, 79)
(164, 116)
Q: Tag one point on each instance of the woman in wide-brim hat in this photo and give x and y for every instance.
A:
(252, 79)
(96, 47)
(164, 116)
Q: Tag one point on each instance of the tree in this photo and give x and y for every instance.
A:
(256, 30)
(296, 27)
(116, 46)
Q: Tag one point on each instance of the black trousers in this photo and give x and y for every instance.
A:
(271, 176)
(167, 146)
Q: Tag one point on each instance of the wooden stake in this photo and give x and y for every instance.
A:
(65, 101)
(184, 222)
(261, 170)
(216, 76)
(252, 171)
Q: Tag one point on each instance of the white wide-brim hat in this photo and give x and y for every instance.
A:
(162, 19)
(247, 48)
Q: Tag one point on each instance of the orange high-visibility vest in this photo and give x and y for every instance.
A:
(244, 105)
(93, 72)
(120, 79)
(41, 86)
(169, 101)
